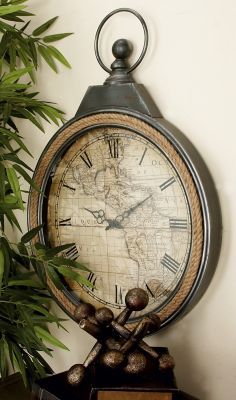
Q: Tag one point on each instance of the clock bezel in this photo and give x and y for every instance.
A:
(206, 193)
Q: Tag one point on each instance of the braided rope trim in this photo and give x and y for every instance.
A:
(192, 195)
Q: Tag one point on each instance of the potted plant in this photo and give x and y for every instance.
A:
(24, 300)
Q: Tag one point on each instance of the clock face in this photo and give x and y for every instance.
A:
(120, 200)
(116, 187)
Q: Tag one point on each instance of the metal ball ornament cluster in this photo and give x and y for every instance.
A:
(117, 347)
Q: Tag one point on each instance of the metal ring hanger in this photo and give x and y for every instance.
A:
(145, 45)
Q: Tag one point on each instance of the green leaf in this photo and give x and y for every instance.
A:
(12, 219)
(28, 115)
(25, 26)
(24, 282)
(58, 249)
(39, 367)
(12, 17)
(17, 1)
(6, 250)
(7, 109)
(25, 59)
(15, 75)
(43, 362)
(33, 52)
(12, 55)
(65, 271)
(6, 143)
(56, 37)
(26, 176)
(42, 28)
(31, 367)
(6, 27)
(39, 309)
(40, 246)
(27, 237)
(14, 182)
(47, 337)
(19, 362)
(53, 114)
(15, 159)
(47, 57)
(43, 298)
(9, 199)
(59, 56)
(2, 262)
(66, 261)
(3, 358)
(9, 88)
(4, 44)
(2, 180)
(4, 10)
(10, 203)
(53, 275)
(24, 256)
(14, 136)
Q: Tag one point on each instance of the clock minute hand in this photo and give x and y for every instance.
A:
(125, 214)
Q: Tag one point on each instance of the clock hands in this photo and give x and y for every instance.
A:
(100, 217)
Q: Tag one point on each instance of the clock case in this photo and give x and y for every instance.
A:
(120, 94)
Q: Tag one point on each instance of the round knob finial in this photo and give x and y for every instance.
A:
(136, 299)
(121, 49)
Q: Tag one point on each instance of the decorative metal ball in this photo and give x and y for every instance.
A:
(76, 374)
(137, 363)
(136, 299)
(121, 49)
(104, 315)
(84, 310)
(112, 359)
(166, 361)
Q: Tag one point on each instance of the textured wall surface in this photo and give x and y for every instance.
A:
(190, 72)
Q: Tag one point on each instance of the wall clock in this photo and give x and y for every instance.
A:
(133, 195)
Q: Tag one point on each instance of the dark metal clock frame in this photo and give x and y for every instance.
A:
(121, 96)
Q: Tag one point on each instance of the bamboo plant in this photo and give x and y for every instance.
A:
(24, 300)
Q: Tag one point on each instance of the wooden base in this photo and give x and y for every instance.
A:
(12, 388)
(108, 395)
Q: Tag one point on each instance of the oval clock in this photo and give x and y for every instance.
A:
(133, 195)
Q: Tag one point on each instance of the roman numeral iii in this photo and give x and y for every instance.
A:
(92, 279)
(169, 263)
(179, 224)
(72, 253)
(113, 147)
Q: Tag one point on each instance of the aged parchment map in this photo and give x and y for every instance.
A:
(116, 195)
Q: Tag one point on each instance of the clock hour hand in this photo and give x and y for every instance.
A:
(126, 213)
(99, 215)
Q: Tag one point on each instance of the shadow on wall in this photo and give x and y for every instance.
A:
(188, 371)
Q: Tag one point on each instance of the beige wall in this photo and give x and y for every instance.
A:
(190, 72)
